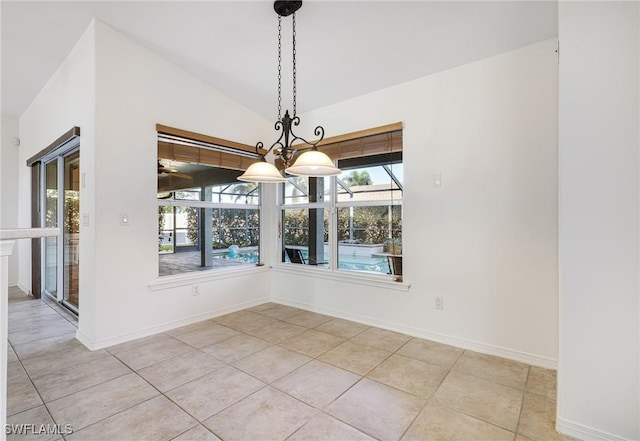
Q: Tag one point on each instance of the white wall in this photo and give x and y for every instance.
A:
(135, 90)
(9, 187)
(116, 92)
(67, 100)
(599, 220)
(487, 240)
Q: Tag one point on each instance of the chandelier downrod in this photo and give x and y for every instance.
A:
(311, 162)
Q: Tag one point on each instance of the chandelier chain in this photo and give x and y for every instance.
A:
(294, 65)
(279, 67)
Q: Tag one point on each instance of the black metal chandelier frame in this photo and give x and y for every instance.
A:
(283, 147)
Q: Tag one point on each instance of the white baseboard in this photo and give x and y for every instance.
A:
(105, 343)
(583, 432)
(523, 357)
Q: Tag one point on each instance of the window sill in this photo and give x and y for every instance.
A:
(378, 281)
(167, 282)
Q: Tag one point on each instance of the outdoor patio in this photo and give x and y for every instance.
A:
(184, 262)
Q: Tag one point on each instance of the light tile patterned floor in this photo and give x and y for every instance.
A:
(271, 372)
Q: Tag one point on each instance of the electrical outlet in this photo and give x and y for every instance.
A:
(195, 290)
(439, 303)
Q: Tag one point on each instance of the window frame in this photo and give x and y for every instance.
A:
(332, 270)
(210, 146)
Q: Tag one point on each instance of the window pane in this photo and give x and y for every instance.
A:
(232, 238)
(165, 229)
(372, 183)
(186, 230)
(207, 236)
(235, 227)
(370, 236)
(367, 236)
(188, 195)
(234, 193)
(306, 237)
(296, 190)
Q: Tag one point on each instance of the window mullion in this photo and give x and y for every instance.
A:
(333, 225)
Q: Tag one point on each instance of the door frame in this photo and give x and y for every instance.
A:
(58, 155)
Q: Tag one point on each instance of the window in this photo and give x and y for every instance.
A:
(352, 222)
(207, 219)
(369, 214)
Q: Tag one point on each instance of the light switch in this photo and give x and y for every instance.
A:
(124, 219)
(437, 180)
(85, 220)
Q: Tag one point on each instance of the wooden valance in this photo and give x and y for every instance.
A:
(196, 148)
(198, 155)
(166, 130)
(375, 141)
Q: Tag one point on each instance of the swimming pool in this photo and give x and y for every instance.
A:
(346, 262)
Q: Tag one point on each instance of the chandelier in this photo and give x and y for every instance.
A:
(311, 162)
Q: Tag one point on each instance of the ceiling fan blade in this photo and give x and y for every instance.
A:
(165, 168)
(181, 175)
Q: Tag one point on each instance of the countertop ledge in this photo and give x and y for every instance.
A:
(27, 233)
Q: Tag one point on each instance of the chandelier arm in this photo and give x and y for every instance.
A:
(279, 140)
(277, 143)
(319, 131)
(259, 146)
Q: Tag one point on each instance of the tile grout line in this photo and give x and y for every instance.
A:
(524, 392)
(44, 404)
(280, 343)
(271, 384)
(391, 353)
(432, 395)
(47, 302)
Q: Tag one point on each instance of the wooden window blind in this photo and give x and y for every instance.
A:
(184, 146)
(375, 141)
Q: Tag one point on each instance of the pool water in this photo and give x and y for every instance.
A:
(345, 262)
(363, 263)
(243, 256)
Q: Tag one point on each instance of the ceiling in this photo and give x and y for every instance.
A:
(344, 49)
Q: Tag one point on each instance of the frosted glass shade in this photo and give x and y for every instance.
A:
(313, 163)
(261, 171)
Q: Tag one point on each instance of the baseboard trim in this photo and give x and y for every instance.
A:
(105, 343)
(24, 289)
(523, 357)
(583, 432)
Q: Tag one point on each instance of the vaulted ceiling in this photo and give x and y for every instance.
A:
(344, 49)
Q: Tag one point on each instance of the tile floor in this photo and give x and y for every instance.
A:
(271, 372)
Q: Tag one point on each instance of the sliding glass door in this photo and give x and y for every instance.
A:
(71, 229)
(61, 209)
(50, 252)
